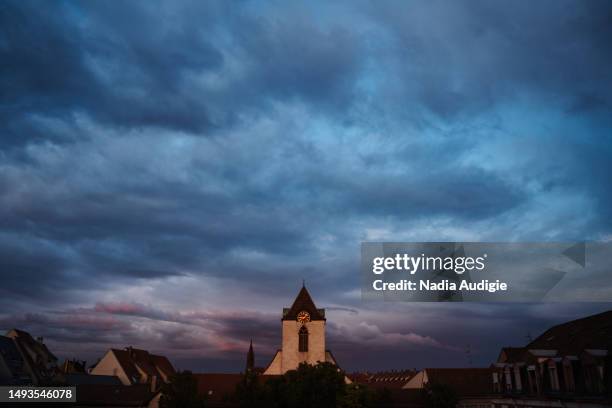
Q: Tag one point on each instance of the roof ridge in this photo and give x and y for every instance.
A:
(579, 319)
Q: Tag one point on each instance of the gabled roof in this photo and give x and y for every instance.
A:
(132, 359)
(464, 381)
(592, 332)
(13, 360)
(40, 362)
(303, 301)
(37, 346)
(163, 364)
(123, 357)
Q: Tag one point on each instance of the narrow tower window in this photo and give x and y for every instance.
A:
(303, 335)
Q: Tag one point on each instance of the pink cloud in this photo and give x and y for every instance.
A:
(119, 308)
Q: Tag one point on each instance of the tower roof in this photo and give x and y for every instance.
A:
(303, 302)
(250, 363)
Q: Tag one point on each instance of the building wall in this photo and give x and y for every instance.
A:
(275, 367)
(290, 356)
(109, 365)
(418, 381)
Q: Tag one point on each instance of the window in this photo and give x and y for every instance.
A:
(568, 376)
(303, 335)
(508, 377)
(496, 384)
(533, 380)
(554, 380)
(517, 378)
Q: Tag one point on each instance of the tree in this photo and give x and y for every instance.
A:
(360, 396)
(356, 396)
(181, 392)
(439, 396)
(320, 385)
(309, 386)
(249, 392)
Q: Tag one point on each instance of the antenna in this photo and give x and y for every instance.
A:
(468, 353)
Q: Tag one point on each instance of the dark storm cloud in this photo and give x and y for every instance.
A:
(465, 57)
(54, 64)
(147, 146)
(118, 63)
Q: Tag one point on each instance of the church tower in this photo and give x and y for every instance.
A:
(303, 336)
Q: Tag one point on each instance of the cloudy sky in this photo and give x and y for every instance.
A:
(170, 172)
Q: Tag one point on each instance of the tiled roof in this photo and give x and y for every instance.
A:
(163, 365)
(383, 379)
(303, 301)
(40, 361)
(25, 339)
(592, 332)
(132, 359)
(13, 359)
(464, 381)
(123, 357)
(216, 386)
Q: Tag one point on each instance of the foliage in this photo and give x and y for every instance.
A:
(249, 392)
(321, 386)
(360, 396)
(181, 392)
(439, 396)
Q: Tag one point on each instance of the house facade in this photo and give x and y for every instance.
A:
(568, 365)
(135, 366)
(27, 358)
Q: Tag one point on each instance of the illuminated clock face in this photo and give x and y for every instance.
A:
(303, 317)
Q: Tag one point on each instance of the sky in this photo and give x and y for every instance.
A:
(171, 171)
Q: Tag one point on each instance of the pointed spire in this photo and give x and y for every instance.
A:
(303, 302)
(250, 362)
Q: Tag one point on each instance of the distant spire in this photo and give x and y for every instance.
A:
(250, 362)
(303, 282)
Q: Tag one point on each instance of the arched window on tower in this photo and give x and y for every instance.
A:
(303, 335)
